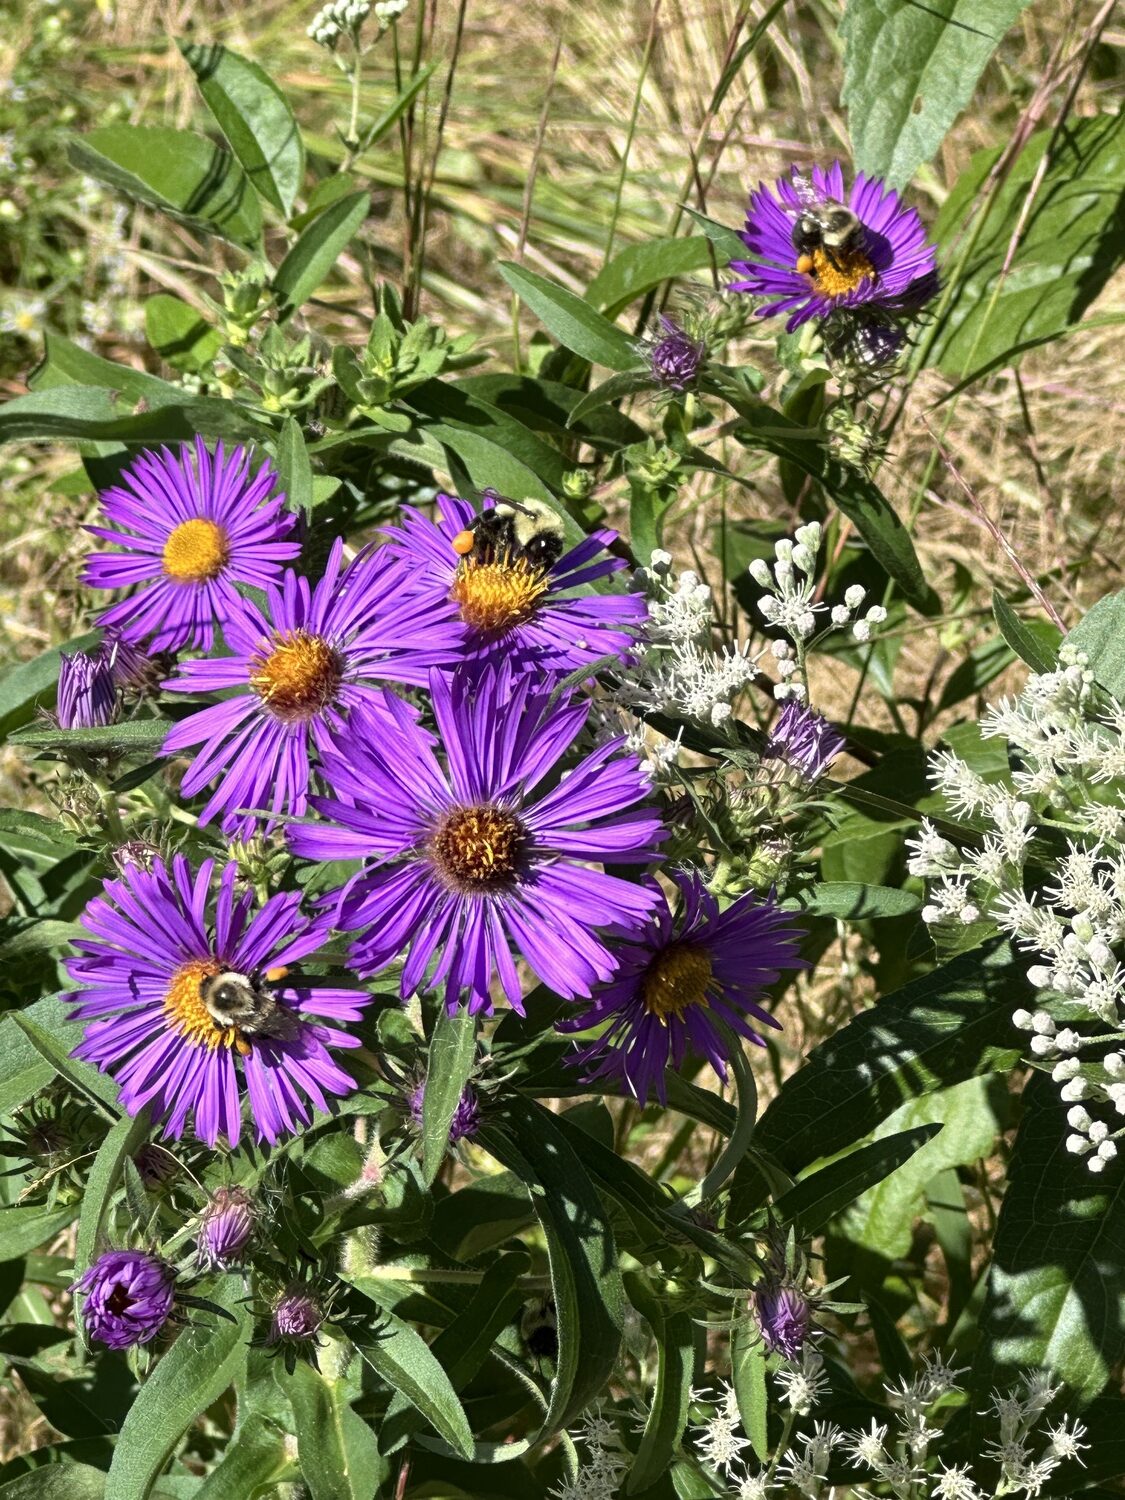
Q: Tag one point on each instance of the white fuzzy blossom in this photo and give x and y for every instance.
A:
(1066, 740)
(599, 1476)
(802, 1381)
(717, 1440)
(341, 18)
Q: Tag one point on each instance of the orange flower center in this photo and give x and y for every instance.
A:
(495, 596)
(676, 979)
(835, 280)
(196, 551)
(298, 676)
(478, 847)
(187, 1014)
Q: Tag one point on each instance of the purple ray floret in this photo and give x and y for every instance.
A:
(475, 843)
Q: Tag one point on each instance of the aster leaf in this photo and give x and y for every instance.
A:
(400, 1355)
(198, 1368)
(53, 1041)
(1053, 1300)
(254, 1459)
(910, 70)
(1034, 641)
(1101, 635)
(571, 320)
(107, 739)
(184, 174)
(727, 241)
(57, 1481)
(823, 1194)
(748, 1376)
(65, 363)
(674, 1333)
(853, 901)
(255, 117)
(294, 471)
(639, 268)
(616, 388)
(452, 1052)
(122, 1141)
(311, 258)
(22, 1229)
(336, 1449)
(88, 412)
(179, 334)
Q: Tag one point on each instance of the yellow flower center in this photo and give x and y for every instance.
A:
(478, 847)
(187, 1014)
(298, 677)
(676, 979)
(195, 551)
(495, 596)
(851, 266)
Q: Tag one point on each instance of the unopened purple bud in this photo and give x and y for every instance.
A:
(803, 740)
(134, 670)
(466, 1117)
(129, 1297)
(297, 1316)
(675, 358)
(87, 694)
(155, 1165)
(783, 1317)
(225, 1229)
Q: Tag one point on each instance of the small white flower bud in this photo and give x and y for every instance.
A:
(876, 614)
(1065, 1068)
(660, 561)
(840, 614)
(1098, 1131)
(1077, 1144)
(1096, 1164)
(855, 595)
(1043, 1046)
(1042, 1022)
(783, 550)
(861, 630)
(804, 560)
(1107, 1150)
(1068, 1041)
(782, 650)
(759, 571)
(1114, 1064)
(931, 914)
(1022, 1020)
(1076, 1088)
(1039, 975)
(1078, 1118)
(809, 535)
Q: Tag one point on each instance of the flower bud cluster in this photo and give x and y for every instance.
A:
(607, 1462)
(1067, 743)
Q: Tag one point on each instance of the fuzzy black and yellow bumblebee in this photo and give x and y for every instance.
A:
(831, 228)
(513, 529)
(247, 1003)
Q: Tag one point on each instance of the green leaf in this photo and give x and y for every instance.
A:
(1034, 641)
(485, 462)
(748, 1375)
(405, 1361)
(179, 334)
(31, 684)
(642, 267)
(396, 109)
(820, 1197)
(68, 364)
(57, 1482)
(1070, 245)
(453, 1049)
(95, 413)
(134, 736)
(337, 1450)
(1099, 634)
(293, 467)
(452, 406)
(951, 1024)
(852, 901)
(674, 1333)
(910, 70)
(23, 1069)
(252, 1463)
(727, 241)
(182, 173)
(1056, 1300)
(24, 1229)
(46, 1026)
(255, 117)
(122, 1142)
(585, 1273)
(317, 250)
(616, 388)
(571, 320)
(205, 1359)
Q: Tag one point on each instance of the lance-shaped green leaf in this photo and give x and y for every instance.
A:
(294, 471)
(179, 334)
(1056, 1296)
(674, 1333)
(571, 320)
(58, 1481)
(94, 413)
(205, 1359)
(337, 1450)
(1034, 641)
(253, 1462)
(852, 901)
(639, 268)
(405, 1361)
(585, 1274)
(121, 1142)
(452, 1051)
(186, 175)
(317, 250)
(255, 117)
(22, 1229)
(910, 70)
(748, 1376)
(822, 1195)
(133, 736)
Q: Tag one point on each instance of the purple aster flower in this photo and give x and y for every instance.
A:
(87, 695)
(471, 849)
(134, 670)
(676, 978)
(674, 357)
(297, 1316)
(129, 1297)
(226, 1227)
(806, 743)
(466, 1117)
(887, 260)
(152, 1008)
(190, 531)
(313, 656)
(510, 608)
(783, 1316)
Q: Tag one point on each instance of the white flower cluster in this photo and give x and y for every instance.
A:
(683, 674)
(1069, 786)
(345, 17)
(790, 604)
(599, 1478)
(1019, 1415)
(717, 1442)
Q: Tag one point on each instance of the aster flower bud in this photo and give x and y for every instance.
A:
(783, 1316)
(297, 1316)
(129, 1296)
(225, 1229)
(466, 1117)
(674, 357)
(87, 695)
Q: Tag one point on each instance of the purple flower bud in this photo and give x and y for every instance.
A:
(225, 1229)
(674, 357)
(783, 1317)
(297, 1316)
(155, 1165)
(87, 695)
(129, 1297)
(134, 670)
(466, 1117)
(803, 740)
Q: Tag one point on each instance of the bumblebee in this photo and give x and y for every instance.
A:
(513, 529)
(830, 227)
(247, 1003)
(539, 1330)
